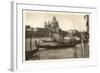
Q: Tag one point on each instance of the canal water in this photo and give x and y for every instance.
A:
(60, 53)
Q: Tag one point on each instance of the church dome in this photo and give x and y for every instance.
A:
(54, 22)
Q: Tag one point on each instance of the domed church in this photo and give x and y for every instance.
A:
(54, 23)
(53, 26)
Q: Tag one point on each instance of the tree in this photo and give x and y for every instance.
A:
(27, 26)
(27, 33)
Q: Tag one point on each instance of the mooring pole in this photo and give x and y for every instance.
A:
(75, 54)
(82, 44)
(31, 39)
(38, 49)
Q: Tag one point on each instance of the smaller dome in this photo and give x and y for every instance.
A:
(48, 25)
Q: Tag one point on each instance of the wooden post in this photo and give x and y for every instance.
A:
(38, 50)
(82, 43)
(31, 39)
(37, 47)
(30, 43)
(75, 54)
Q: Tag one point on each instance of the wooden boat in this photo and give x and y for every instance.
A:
(31, 52)
(44, 40)
(56, 44)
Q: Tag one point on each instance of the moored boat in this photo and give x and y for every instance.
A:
(56, 44)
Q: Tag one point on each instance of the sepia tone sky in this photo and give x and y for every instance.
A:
(67, 21)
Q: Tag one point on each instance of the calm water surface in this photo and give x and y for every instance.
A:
(61, 53)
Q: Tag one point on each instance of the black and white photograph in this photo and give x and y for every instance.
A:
(51, 35)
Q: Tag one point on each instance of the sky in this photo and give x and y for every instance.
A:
(67, 21)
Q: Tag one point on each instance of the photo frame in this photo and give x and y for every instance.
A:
(39, 12)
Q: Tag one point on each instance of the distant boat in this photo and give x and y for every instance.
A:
(48, 40)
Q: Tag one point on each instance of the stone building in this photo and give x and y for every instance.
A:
(51, 30)
(53, 26)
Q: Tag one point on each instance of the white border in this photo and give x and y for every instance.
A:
(17, 62)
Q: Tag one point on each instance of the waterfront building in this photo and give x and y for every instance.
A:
(51, 29)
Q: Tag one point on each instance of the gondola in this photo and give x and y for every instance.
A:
(56, 44)
(31, 52)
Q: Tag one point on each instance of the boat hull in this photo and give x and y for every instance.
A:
(56, 46)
